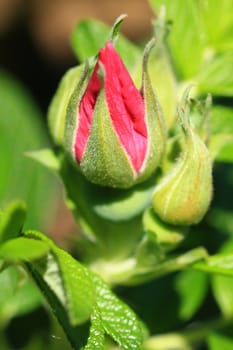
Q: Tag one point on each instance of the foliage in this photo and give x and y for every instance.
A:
(177, 279)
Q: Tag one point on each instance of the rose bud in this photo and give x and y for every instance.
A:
(114, 132)
(184, 193)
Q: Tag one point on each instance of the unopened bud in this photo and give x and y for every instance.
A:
(184, 194)
(114, 132)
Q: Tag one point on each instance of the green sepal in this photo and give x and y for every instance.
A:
(71, 121)
(104, 161)
(160, 70)
(156, 126)
(113, 35)
(58, 106)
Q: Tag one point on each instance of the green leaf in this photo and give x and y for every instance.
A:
(116, 204)
(221, 141)
(90, 35)
(223, 286)
(226, 153)
(186, 36)
(52, 296)
(12, 220)
(76, 294)
(96, 335)
(23, 249)
(216, 75)
(79, 288)
(68, 280)
(221, 219)
(191, 287)
(46, 157)
(221, 148)
(221, 12)
(219, 340)
(217, 264)
(18, 295)
(22, 130)
(221, 120)
(118, 320)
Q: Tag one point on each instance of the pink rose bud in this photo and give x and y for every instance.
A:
(114, 132)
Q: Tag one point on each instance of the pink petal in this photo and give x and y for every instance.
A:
(85, 113)
(126, 106)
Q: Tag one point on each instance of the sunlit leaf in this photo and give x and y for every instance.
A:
(76, 294)
(96, 335)
(118, 320)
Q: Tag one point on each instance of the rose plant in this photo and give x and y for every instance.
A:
(135, 141)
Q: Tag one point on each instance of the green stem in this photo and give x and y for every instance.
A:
(127, 272)
(177, 263)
